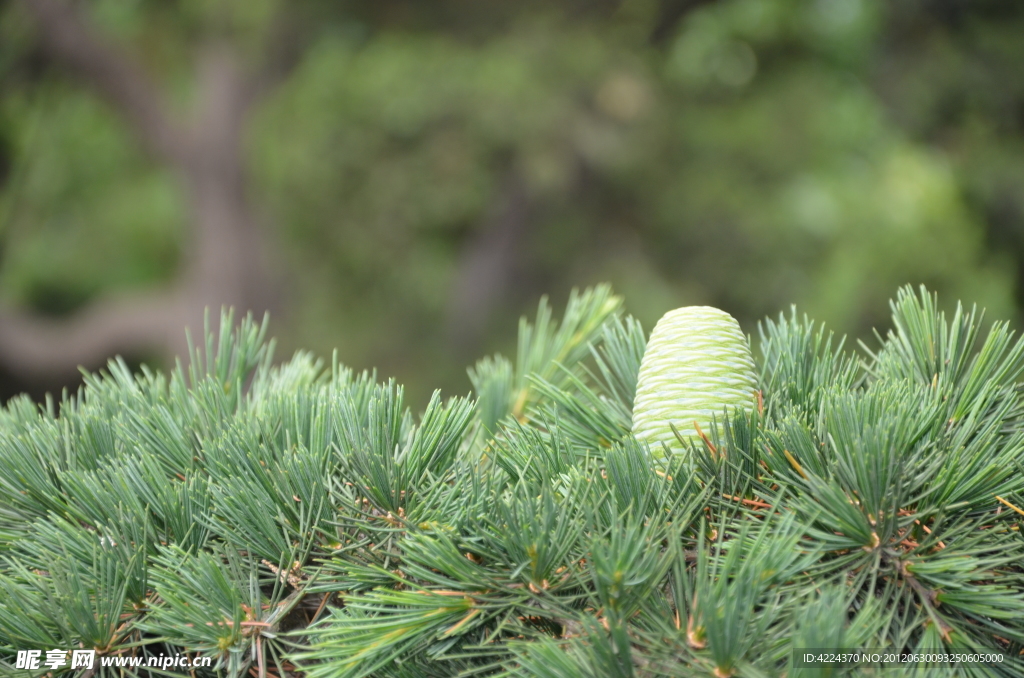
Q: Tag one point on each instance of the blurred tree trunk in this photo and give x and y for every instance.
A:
(225, 262)
(488, 264)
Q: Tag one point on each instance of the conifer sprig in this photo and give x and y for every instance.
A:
(299, 520)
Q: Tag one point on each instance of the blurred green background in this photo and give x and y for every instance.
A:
(422, 171)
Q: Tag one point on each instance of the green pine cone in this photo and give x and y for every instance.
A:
(696, 366)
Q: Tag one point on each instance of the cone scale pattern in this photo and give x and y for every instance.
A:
(696, 366)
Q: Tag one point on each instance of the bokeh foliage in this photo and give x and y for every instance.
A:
(751, 154)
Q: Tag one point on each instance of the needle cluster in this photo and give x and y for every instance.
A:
(300, 520)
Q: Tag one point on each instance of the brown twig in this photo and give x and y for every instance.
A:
(320, 607)
(748, 502)
(707, 441)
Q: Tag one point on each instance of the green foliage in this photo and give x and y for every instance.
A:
(742, 153)
(300, 520)
(79, 185)
(547, 353)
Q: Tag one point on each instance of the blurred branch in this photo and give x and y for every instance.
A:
(67, 37)
(225, 261)
(34, 347)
